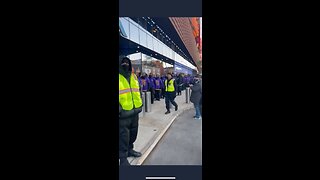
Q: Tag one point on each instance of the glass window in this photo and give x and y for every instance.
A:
(143, 38)
(155, 45)
(160, 47)
(173, 55)
(134, 33)
(135, 56)
(169, 53)
(152, 65)
(164, 50)
(124, 25)
(136, 62)
(149, 42)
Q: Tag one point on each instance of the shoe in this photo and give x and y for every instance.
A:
(197, 118)
(124, 162)
(176, 108)
(167, 112)
(133, 153)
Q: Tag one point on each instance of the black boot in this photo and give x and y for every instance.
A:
(176, 108)
(133, 153)
(124, 162)
(167, 112)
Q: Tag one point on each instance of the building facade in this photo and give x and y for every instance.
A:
(154, 46)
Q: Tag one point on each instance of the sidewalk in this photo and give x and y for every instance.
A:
(154, 124)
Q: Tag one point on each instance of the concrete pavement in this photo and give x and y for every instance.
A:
(154, 124)
(181, 144)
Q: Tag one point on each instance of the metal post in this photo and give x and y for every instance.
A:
(141, 114)
(188, 95)
(148, 101)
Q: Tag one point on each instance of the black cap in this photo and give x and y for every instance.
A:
(125, 60)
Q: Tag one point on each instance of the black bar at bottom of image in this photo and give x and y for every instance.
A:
(162, 172)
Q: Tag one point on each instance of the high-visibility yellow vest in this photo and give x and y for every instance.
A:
(129, 94)
(170, 86)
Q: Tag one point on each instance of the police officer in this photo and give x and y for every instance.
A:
(170, 92)
(130, 105)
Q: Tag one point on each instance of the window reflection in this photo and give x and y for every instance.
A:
(155, 45)
(134, 33)
(149, 42)
(155, 66)
(160, 47)
(125, 26)
(135, 62)
(143, 38)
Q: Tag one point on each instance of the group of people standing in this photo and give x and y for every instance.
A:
(130, 101)
(160, 88)
(155, 84)
(169, 86)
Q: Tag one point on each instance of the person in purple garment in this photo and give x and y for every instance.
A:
(188, 80)
(185, 82)
(158, 86)
(152, 87)
(144, 82)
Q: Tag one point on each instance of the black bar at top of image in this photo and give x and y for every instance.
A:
(160, 8)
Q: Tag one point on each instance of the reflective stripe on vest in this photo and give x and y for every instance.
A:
(129, 94)
(128, 90)
(170, 86)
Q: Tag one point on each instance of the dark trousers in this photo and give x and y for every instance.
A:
(169, 97)
(157, 94)
(152, 95)
(179, 90)
(162, 93)
(128, 131)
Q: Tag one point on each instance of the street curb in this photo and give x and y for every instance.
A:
(141, 159)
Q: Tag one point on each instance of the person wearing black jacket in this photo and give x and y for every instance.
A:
(196, 96)
(170, 92)
(130, 105)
